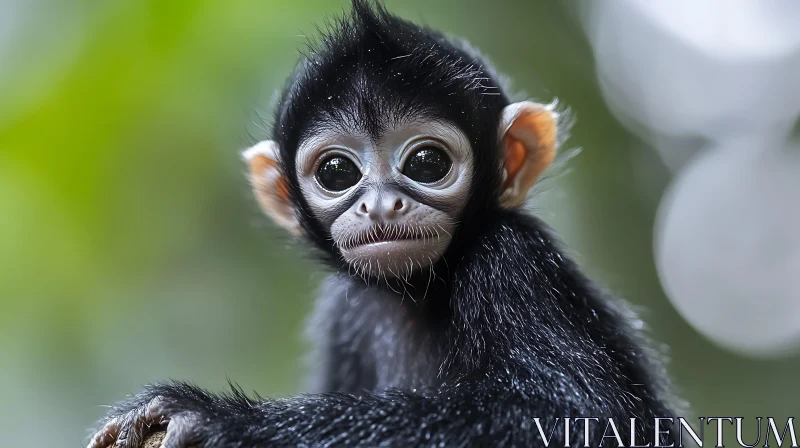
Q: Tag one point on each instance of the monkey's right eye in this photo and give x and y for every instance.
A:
(338, 173)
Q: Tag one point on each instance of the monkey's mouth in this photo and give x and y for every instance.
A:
(393, 250)
(379, 235)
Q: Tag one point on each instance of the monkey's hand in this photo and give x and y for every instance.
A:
(189, 414)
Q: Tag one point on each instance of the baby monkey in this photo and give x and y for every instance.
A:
(452, 318)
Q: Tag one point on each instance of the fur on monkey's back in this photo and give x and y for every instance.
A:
(518, 312)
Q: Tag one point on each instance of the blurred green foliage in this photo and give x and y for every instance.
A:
(131, 251)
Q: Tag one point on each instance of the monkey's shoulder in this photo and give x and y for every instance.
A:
(522, 246)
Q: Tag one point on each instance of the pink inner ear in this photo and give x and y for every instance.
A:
(536, 132)
(258, 165)
(515, 156)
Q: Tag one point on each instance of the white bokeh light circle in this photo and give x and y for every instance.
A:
(729, 29)
(688, 68)
(727, 248)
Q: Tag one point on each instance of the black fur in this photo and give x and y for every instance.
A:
(507, 330)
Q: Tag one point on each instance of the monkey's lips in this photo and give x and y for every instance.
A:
(377, 236)
(394, 251)
(392, 248)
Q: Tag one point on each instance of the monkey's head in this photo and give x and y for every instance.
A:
(391, 142)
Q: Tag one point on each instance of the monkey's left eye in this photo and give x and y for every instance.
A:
(338, 173)
(427, 164)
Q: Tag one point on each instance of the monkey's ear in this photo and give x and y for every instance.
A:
(270, 184)
(528, 138)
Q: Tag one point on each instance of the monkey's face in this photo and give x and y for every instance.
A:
(392, 204)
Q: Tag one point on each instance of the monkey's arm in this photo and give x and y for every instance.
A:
(465, 413)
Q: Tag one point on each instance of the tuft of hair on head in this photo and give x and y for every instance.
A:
(370, 68)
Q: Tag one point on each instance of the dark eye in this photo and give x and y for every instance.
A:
(338, 173)
(427, 165)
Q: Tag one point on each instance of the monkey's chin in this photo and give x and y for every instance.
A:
(394, 258)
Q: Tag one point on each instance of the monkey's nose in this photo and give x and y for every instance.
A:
(384, 206)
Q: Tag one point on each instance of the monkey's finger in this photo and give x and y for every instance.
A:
(181, 432)
(106, 436)
(137, 424)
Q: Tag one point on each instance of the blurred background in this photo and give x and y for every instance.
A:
(131, 250)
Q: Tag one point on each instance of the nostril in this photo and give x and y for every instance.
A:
(363, 208)
(398, 204)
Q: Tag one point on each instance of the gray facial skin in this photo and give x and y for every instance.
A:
(386, 233)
